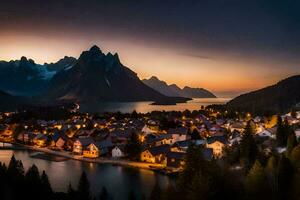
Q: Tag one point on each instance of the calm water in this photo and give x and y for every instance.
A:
(118, 180)
(144, 106)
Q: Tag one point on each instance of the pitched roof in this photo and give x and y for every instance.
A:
(213, 139)
(176, 155)
(86, 141)
(182, 144)
(165, 136)
(121, 147)
(180, 130)
(163, 149)
(41, 136)
(58, 135)
(104, 144)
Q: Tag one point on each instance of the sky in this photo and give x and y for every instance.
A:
(226, 46)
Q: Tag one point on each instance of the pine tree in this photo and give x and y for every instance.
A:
(133, 148)
(199, 186)
(295, 156)
(200, 178)
(15, 170)
(248, 147)
(256, 183)
(33, 183)
(291, 143)
(194, 163)
(46, 187)
(281, 135)
(195, 135)
(71, 194)
(295, 192)
(271, 173)
(84, 187)
(17, 130)
(32, 176)
(3, 181)
(285, 176)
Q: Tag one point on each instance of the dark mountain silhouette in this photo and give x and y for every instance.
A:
(174, 90)
(9, 102)
(63, 64)
(102, 77)
(25, 77)
(161, 86)
(277, 98)
(197, 93)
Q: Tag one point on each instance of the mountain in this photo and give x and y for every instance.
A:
(161, 86)
(173, 90)
(25, 77)
(97, 77)
(197, 93)
(9, 102)
(277, 98)
(62, 64)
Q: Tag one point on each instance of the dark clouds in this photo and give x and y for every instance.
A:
(246, 28)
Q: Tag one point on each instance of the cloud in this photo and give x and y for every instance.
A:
(200, 56)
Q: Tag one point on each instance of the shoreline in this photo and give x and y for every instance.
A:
(159, 168)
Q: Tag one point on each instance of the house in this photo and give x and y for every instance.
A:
(26, 137)
(104, 146)
(81, 143)
(238, 126)
(8, 130)
(163, 139)
(59, 139)
(181, 146)
(268, 132)
(155, 154)
(217, 143)
(118, 151)
(146, 130)
(40, 140)
(153, 125)
(257, 119)
(120, 135)
(175, 159)
(291, 120)
(216, 130)
(235, 138)
(91, 151)
(179, 134)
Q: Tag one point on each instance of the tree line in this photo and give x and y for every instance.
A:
(16, 184)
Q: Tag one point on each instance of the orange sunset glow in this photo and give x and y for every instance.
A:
(218, 72)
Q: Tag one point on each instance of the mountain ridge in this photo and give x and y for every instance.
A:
(26, 78)
(102, 77)
(277, 98)
(174, 90)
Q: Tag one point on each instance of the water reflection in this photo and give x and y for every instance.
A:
(144, 106)
(118, 180)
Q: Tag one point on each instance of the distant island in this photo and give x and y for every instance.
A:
(174, 91)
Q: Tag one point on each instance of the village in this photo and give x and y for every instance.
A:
(159, 138)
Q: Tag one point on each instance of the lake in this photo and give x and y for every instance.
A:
(145, 106)
(118, 180)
